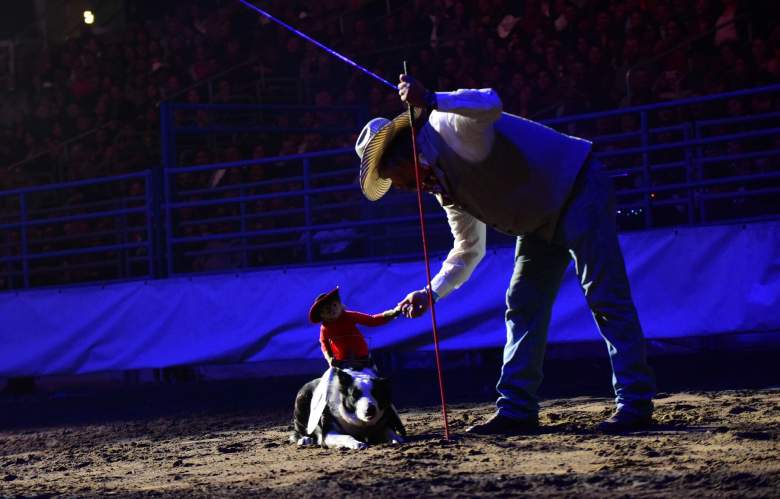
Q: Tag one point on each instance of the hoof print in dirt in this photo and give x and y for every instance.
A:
(347, 409)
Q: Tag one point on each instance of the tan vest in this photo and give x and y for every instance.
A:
(522, 185)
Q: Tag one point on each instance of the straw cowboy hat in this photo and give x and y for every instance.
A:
(371, 145)
(322, 299)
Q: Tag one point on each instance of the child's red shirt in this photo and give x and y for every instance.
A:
(344, 338)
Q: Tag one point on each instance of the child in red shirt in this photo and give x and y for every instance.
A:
(341, 341)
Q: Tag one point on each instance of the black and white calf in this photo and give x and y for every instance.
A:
(346, 408)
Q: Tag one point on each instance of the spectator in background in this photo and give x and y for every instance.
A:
(549, 58)
(727, 24)
(186, 43)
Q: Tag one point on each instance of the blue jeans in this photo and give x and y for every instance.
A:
(587, 234)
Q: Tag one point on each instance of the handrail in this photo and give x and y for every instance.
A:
(237, 218)
(702, 183)
(257, 197)
(685, 43)
(738, 119)
(97, 205)
(355, 203)
(688, 143)
(260, 161)
(76, 251)
(74, 183)
(110, 262)
(262, 183)
(231, 187)
(277, 213)
(608, 138)
(732, 194)
(298, 229)
(103, 233)
(612, 137)
(743, 155)
(70, 218)
(398, 257)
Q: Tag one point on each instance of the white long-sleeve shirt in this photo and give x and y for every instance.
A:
(464, 119)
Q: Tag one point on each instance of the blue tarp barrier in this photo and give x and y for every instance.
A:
(686, 282)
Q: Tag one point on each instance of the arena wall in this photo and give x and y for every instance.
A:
(686, 282)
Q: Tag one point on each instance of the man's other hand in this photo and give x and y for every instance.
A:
(412, 91)
(415, 304)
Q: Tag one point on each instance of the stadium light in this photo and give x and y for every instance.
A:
(89, 17)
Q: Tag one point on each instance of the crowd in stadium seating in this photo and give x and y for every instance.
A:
(545, 57)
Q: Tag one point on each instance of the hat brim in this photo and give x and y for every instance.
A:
(372, 185)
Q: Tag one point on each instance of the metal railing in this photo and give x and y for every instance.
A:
(687, 162)
(676, 154)
(665, 167)
(51, 236)
(311, 211)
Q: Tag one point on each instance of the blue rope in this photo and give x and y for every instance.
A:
(315, 42)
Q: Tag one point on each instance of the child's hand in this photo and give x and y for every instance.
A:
(392, 313)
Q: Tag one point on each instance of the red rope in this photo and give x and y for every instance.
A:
(428, 276)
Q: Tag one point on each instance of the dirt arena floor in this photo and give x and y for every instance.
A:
(705, 444)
